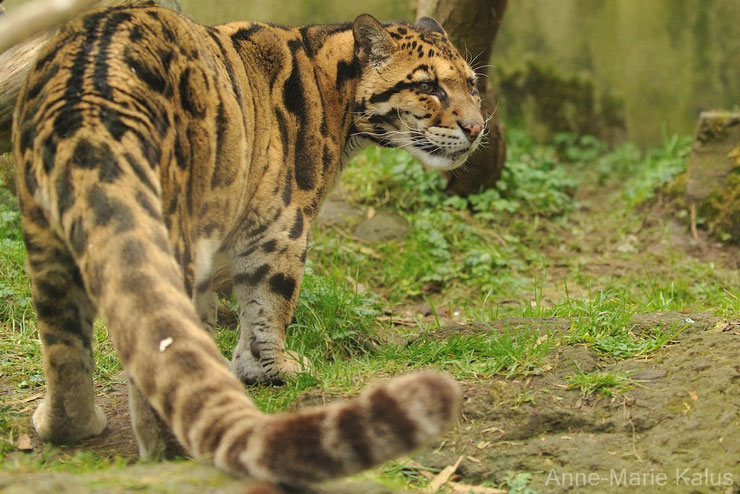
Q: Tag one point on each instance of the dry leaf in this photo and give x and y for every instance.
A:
(399, 321)
(23, 443)
(370, 213)
(442, 477)
(368, 252)
(475, 488)
(692, 395)
(721, 326)
(494, 429)
(483, 444)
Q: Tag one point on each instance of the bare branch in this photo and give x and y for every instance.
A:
(34, 17)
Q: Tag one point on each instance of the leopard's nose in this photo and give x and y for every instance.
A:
(471, 129)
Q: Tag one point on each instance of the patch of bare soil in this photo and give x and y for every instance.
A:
(652, 242)
(116, 440)
(677, 430)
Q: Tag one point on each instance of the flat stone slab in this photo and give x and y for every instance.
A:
(338, 213)
(382, 227)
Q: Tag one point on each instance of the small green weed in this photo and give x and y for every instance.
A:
(522, 397)
(657, 168)
(401, 473)
(518, 483)
(601, 382)
(640, 173)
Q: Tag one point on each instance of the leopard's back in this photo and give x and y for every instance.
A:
(150, 150)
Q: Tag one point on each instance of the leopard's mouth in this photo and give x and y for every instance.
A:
(435, 157)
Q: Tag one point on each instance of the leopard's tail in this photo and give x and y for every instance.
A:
(119, 240)
(177, 366)
(383, 422)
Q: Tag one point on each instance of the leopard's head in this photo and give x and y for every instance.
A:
(416, 92)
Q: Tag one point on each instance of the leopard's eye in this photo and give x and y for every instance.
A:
(426, 87)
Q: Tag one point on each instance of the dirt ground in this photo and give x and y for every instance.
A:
(677, 430)
(681, 421)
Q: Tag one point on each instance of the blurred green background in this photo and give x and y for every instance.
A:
(659, 62)
(666, 59)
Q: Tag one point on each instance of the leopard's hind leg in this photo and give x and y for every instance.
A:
(65, 317)
(155, 440)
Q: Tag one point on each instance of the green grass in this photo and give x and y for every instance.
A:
(602, 320)
(20, 365)
(600, 382)
(53, 459)
(466, 356)
(527, 248)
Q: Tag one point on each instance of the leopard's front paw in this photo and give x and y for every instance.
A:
(251, 369)
(294, 363)
(67, 427)
(248, 369)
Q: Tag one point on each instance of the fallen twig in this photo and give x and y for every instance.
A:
(25, 400)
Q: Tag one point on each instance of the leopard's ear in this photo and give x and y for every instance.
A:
(430, 24)
(373, 44)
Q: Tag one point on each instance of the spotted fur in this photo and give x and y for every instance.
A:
(152, 151)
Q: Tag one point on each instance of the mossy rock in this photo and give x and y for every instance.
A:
(546, 102)
(713, 183)
(721, 210)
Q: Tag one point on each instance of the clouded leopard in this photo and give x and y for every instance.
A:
(152, 150)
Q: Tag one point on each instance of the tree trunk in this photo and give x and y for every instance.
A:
(472, 26)
(16, 62)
